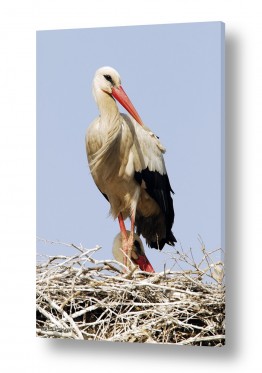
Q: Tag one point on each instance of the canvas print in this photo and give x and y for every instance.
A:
(130, 184)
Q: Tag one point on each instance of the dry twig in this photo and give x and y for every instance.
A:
(79, 297)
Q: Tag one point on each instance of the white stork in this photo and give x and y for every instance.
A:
(138, 256)
(127, 165)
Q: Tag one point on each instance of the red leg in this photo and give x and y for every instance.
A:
(124, 238)
(131, 237)
(122, 226)
(127, 242)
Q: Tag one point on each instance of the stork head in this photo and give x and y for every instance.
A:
(138, 255)
(107, 81)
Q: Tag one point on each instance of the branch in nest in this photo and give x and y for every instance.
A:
(80, 297)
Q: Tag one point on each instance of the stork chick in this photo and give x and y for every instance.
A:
(138, 256)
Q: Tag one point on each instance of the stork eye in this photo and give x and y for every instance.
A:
(109, 78)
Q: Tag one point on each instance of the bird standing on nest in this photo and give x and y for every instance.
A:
(127, 165)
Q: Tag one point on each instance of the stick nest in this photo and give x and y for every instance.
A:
(79, 297)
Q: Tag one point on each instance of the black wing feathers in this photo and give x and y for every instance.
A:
(159, 188)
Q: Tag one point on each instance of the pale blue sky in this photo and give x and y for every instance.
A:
(173, 74)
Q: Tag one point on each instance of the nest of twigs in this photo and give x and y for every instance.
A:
(79, 297)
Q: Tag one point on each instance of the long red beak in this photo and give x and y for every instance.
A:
(120, 95)
(144, 263)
